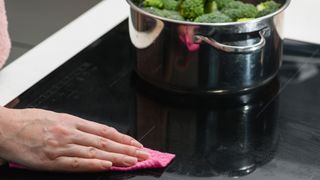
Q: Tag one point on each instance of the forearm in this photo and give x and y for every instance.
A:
(10, 125)
(3, 121)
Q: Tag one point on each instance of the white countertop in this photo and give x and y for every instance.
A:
(302, 21)
(301, 24)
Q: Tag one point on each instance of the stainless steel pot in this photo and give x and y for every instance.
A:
(210, 58)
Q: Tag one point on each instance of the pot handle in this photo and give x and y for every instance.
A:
(232, 49)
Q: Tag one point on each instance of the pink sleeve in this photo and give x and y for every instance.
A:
(4, 36)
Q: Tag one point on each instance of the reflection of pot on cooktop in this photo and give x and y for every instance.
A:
(210, 140)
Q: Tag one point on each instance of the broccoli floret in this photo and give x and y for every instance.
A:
(190, 9)
(152, 10)
(222, 3)
(234, 5)
(240, 13)
(267, 8)
(244, 19)
(170, 4)
(210, 6)
(237, 10)
(215, 17)
(172, 15)
(153, 3)
(164, 13)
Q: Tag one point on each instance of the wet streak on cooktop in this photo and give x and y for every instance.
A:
(275, 136)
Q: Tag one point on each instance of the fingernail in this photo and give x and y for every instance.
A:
(106, 164)
(143, 155)
(136, 144)
(130, 161)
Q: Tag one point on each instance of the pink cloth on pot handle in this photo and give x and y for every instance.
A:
(157, 160)
(186, 34)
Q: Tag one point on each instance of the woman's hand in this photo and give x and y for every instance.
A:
(45, 140)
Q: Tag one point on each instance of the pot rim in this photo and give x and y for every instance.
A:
(263, 18)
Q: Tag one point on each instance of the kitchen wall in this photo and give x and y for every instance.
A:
(32, 21)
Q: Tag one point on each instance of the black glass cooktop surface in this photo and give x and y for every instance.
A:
(276, 135)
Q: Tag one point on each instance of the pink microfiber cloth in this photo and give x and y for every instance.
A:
(157, 160)
(4, 36)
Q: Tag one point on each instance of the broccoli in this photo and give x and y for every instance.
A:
(153, 3)
(172, 15)
(170, 4)
(244, 19)
(190, 9)
(210, 6)
(215, 17)
(164, 13)
(238, 9)
(153, 10)
(234, 5)
(267, 8)
(209, 11)
(222, 3)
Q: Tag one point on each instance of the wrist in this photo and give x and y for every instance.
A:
(4, 119)
(6, 125)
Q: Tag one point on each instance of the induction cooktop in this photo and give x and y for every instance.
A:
(274, 135)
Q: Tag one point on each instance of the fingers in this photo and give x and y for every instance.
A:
(75, 164)
(104, 144)
(94, 153)
(107, 132)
